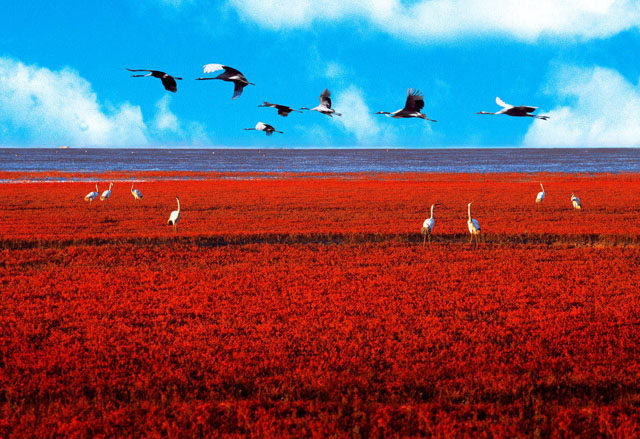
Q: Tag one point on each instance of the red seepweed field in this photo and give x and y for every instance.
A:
(306, 306)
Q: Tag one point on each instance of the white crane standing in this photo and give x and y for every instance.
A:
(230, 75)
(261, 126)
(325, 105)
(474, 226)
(575, 201)
(136, 193)
(519, 111)
(427, 227)
(92, 195)
(412, 107)
(106, 194)
(174, 217)
(540, 196)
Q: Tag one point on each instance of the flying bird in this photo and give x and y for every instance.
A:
(412, 107)
(168, 81)
(92, 195)
(325, 105)
(136, 193)
(230, 74)
(283, 110)
(427, 227)
(520, 111)
(540, 196)
(106, 194)
(575, 201)
(174, 217)
(474, 225)
(268, 129)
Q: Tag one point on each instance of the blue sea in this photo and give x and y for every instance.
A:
(485, 160)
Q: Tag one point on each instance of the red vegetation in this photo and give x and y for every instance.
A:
(110, 326)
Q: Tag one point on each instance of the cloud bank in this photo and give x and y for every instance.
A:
(49, 108)
(526, 20)
(599, 108)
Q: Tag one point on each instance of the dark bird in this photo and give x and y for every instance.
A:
(230, 74)
(283, 110)
(510, 110)
(325, 105)
(168, 81)
(268, 129)
(412, 107)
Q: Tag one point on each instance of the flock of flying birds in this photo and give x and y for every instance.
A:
(427, 226)
(412, 106)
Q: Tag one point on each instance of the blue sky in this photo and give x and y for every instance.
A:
(63, 78)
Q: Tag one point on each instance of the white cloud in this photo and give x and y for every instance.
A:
(599, 108)
(358, 119)
(48, 108)
(165, 120)
(42, 107)
(525, 20)
(167, 126)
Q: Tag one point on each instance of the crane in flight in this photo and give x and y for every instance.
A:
(325, 104)
(412, 107)
(168, 81)
(230, 75)
(283, 110)
(261, 126)
(519, 111)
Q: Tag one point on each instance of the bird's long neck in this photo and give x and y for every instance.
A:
(542, 187)
(97, 190)
(178, 200)
(485, 112)
(432, 211)
(469, 210)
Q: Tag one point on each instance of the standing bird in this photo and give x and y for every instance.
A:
(136, 193)
(474, 226)
(412, 107)
(92, 195)
(325, 105)
(427, 227)
(520, 111)
(268, 129)
(283, 110)
(106, 194)
(575, 201)
(540, 196)
(174, 217)
(168, 81)
(230, 74)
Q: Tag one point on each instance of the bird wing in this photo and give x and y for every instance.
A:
(169, 83)
(209, 68)
(325, 98)
(283, 110)
(415, 101)
(527, 109)
(261, 126)
(237, 89)
(502, 103)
